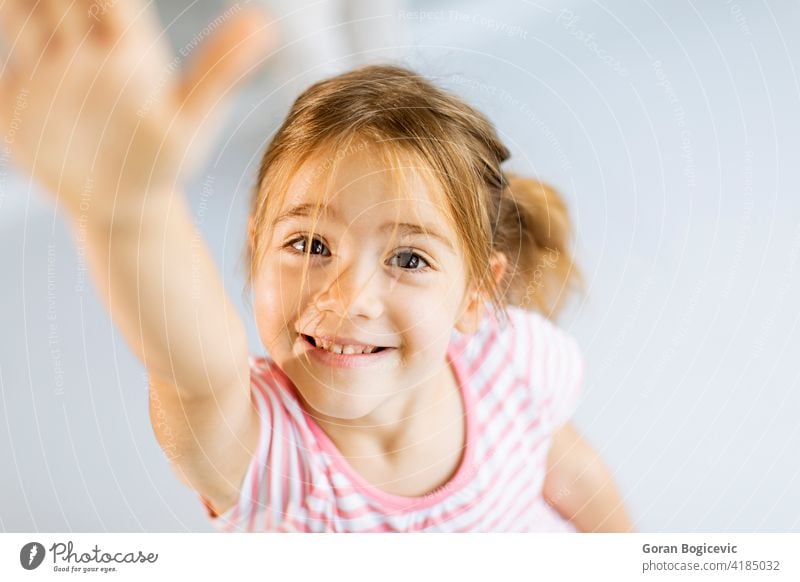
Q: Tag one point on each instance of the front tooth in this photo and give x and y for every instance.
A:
(336, 348)
(349, 350)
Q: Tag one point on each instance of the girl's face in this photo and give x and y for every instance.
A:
(384, 270)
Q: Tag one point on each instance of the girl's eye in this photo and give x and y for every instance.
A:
(410, 261)
(317, 247)
(406, 260)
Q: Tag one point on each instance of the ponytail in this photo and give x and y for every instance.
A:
(533, 231)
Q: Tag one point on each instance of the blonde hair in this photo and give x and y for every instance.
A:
(491, 211)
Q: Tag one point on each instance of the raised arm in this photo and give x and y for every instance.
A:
(111, 124)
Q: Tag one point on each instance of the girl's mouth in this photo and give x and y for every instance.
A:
(343, 349)
(348, 356)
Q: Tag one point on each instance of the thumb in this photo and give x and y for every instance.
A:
(235, 48)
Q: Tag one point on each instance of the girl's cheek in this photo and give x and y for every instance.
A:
(288, 289)
(298, 284)
(276, 290)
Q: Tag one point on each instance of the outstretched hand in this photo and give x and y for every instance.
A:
(91, 96)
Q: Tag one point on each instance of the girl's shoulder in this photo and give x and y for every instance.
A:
(266, 374)
(540, 338)
(528, 335)
(274, 394)
(542, 356)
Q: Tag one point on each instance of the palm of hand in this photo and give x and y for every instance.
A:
(101, 104)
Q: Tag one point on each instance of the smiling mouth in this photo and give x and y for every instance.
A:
(343, 350)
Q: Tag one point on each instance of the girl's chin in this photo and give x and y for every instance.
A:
(343, 406)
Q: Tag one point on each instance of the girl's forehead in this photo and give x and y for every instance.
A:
(367, 184)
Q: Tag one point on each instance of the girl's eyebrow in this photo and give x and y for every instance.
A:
(408, 228)
(305, 209)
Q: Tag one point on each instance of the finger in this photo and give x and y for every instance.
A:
(21, 30)
(46, 17)
(115, 18)
(5, 44)
(68, 18)
(5, 88)
(53, 17)
(235, 49)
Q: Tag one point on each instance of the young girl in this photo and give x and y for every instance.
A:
(401, 280)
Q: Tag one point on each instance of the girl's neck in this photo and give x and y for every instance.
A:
(394, 423)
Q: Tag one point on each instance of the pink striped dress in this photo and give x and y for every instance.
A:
(519, 383)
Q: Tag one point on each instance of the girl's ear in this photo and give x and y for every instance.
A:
(473, 310)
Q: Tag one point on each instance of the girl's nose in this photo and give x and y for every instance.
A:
(353, 291)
